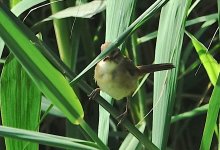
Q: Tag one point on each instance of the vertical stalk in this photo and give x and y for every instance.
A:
(62, 32)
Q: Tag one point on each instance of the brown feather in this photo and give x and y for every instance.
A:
(154, 67)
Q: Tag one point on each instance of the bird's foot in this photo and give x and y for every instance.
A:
(123, 115)
(94, 93)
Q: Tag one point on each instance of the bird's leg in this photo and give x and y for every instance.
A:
(94, 93)
(123, 115)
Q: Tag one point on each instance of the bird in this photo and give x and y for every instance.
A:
(117, 75)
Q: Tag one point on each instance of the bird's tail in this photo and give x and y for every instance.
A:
(154, 67)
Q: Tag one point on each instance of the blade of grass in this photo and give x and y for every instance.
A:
(202, 19)
(25, 5)
(168, 49)
(212, 115)
(68, 46)
(207, 18)
(46, 77)
(47, 139)
(20, 102)
(62, 31)
(147, 37)
(212, 69)
(86, 10)
(104, 116)
(130, 141)
(27, 49)
(189, 114)
(17, 10)
(118, 18)
(193, 6)
(138, 103)
(13, 2)
(211, 65)
(197, 62)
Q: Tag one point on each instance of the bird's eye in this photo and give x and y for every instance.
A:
(114, 54)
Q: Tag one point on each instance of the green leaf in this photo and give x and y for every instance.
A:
(118, 18)
(87, 10)
(202, 19)
(104, 116)
(47, 139)
(168, 49)
(20, 102)
(208, 18)
(28, 51)
(189, 114)
(131, 142)
(211, 65)
(140, 84)
(18, 10)
(24, 5)
(212, 115)
(26, 48)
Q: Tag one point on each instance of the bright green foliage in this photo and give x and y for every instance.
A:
(212, 116)
(47, 139)
(212, 68)
(26, 48)
(211, 65)
(168, 49)
(182, 92)
(20, 102)
(87, 10)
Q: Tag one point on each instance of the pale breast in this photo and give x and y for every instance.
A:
(118, 83)
(103, 71)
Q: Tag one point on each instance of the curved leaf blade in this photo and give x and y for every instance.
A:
(26, 48)
(211, 65)
(82, 11)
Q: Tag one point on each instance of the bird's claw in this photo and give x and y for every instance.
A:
(94, 93)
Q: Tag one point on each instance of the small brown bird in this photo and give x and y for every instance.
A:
(117, 76)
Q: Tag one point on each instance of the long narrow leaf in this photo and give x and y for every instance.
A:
(212, 115)
(20, 102)
(26, 48)
(189, 114)
(168, 49)
(47, 139)
(25, 5)
(130, 141)
(207, 18)
(83, 11)
(211, 65)
(17, 10)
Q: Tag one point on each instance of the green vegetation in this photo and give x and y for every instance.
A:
(48, 53)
